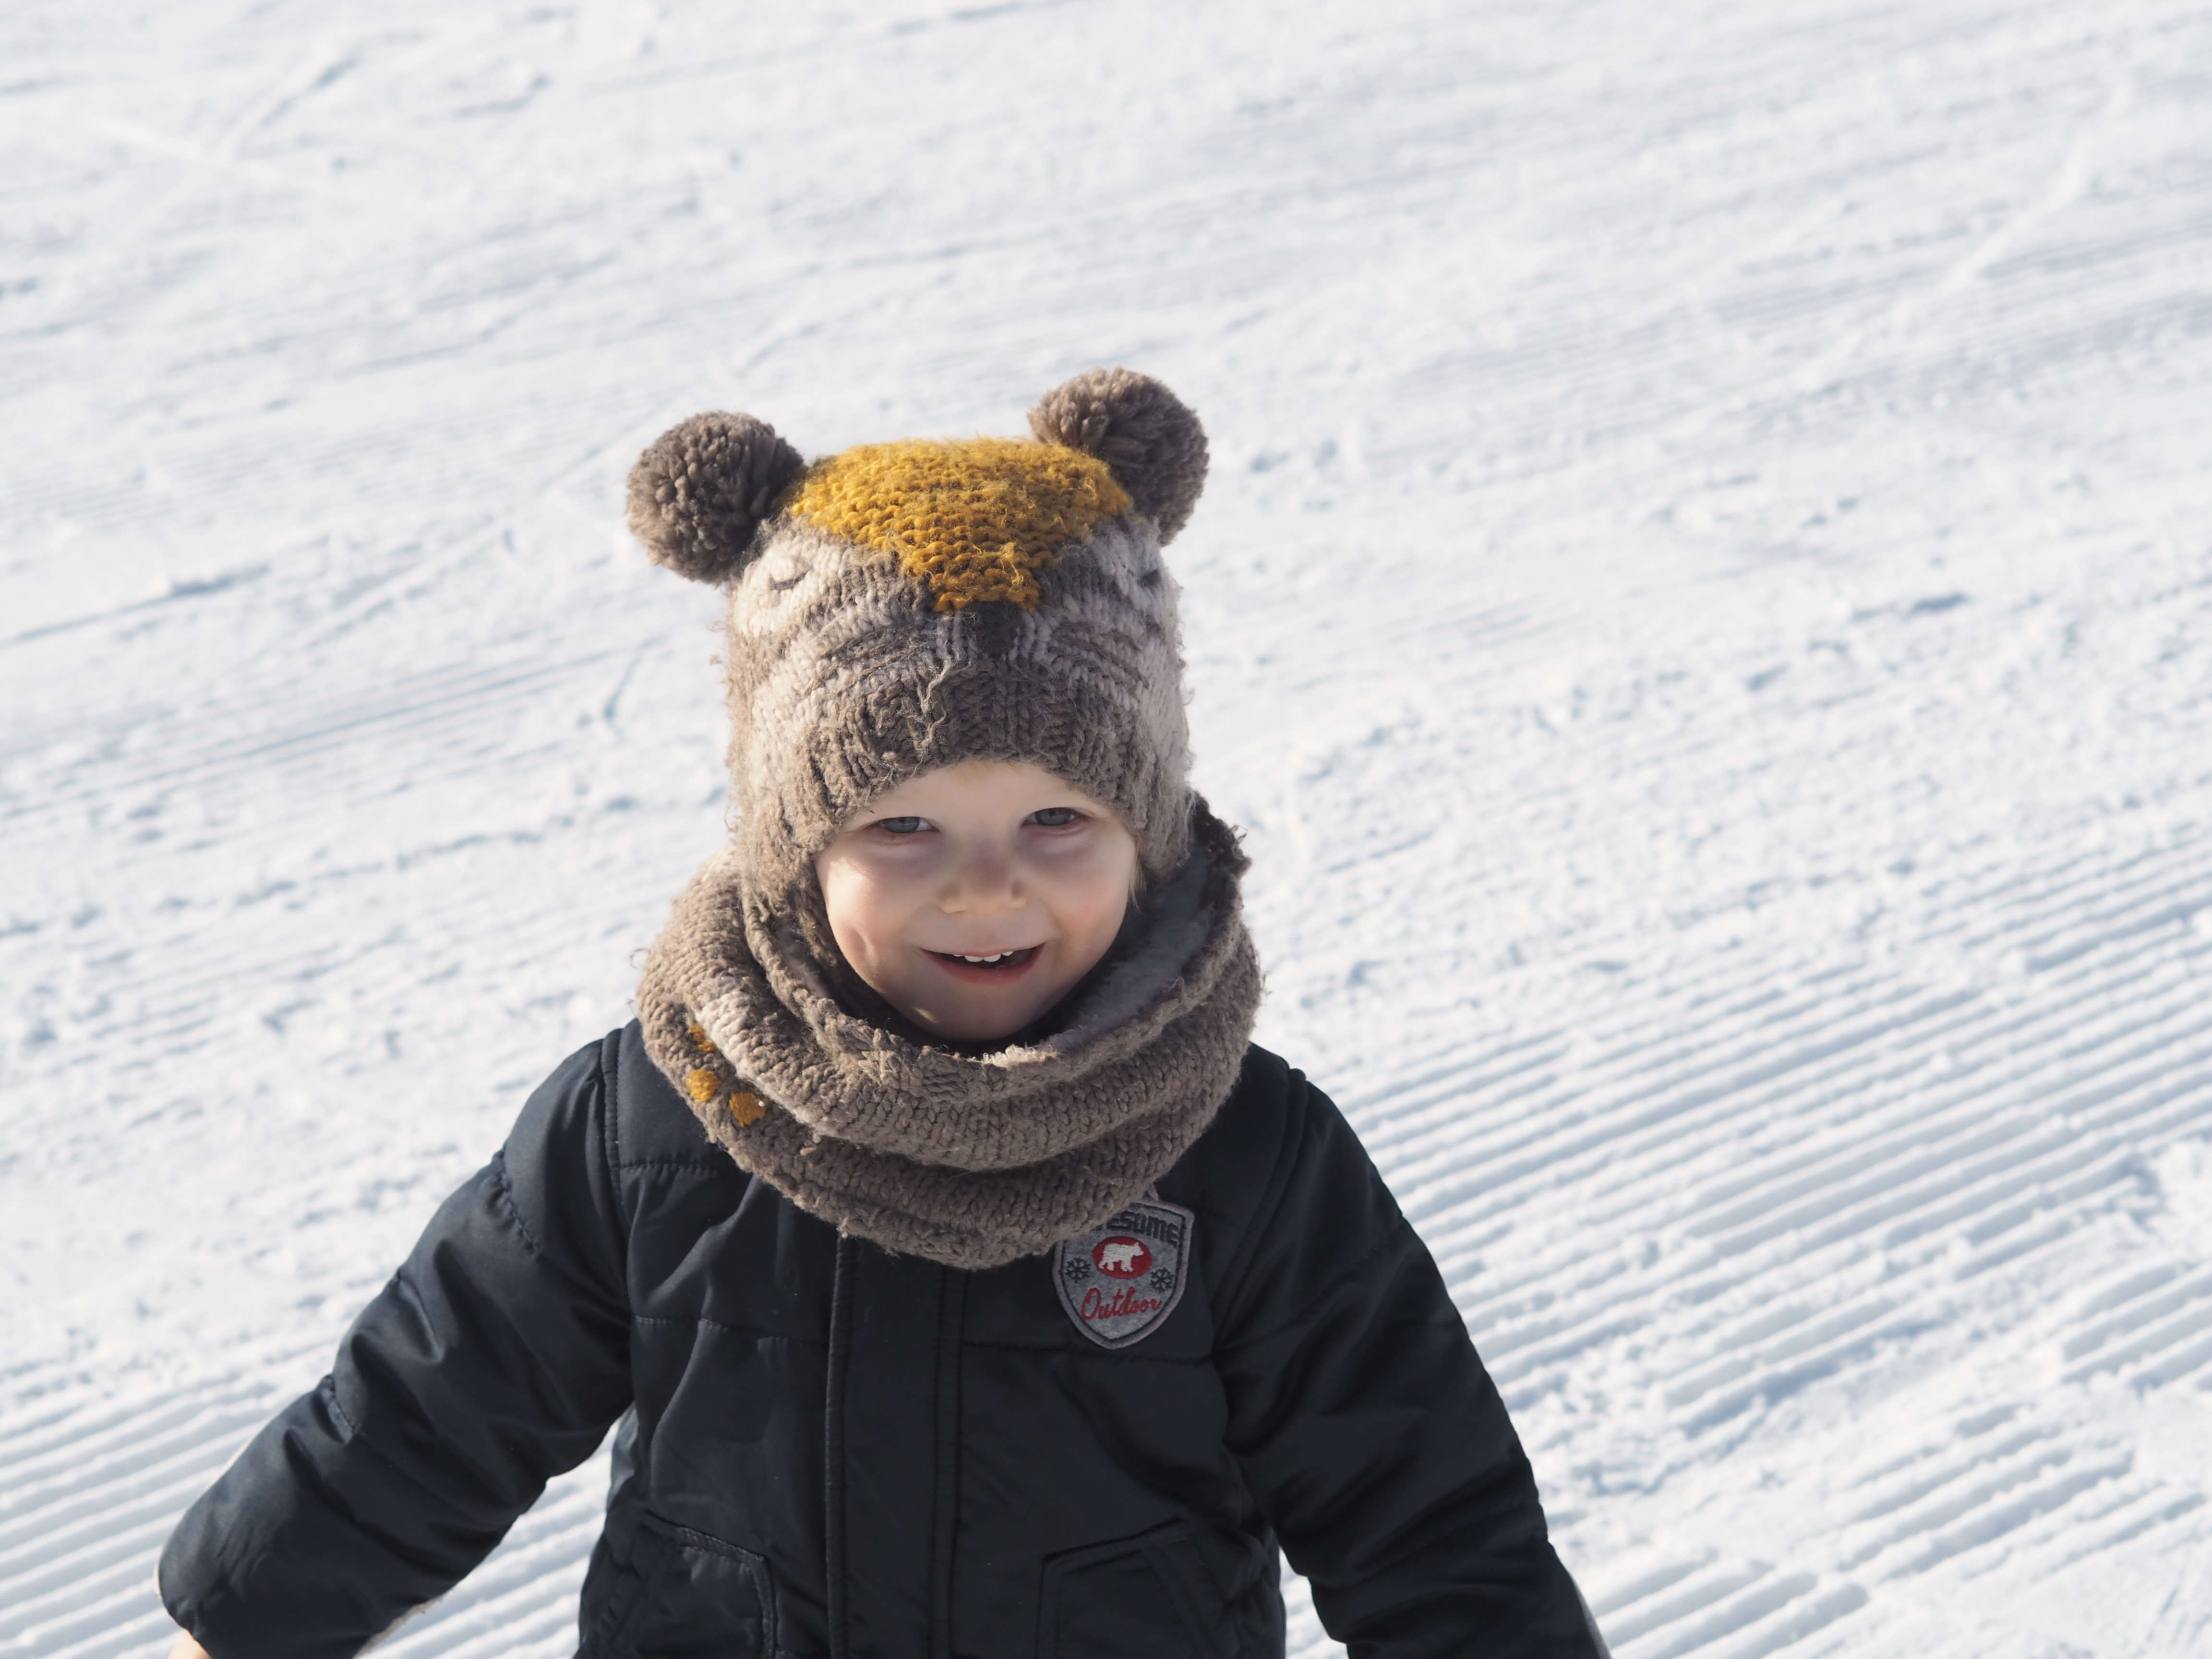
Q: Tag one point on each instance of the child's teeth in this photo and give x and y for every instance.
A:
(1000, 957)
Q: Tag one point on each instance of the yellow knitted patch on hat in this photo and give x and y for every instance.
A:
(972, 520)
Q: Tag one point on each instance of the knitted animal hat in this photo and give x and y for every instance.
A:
(904, 606)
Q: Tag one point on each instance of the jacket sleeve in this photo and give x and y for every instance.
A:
(1369, 1430)
(494, 1358)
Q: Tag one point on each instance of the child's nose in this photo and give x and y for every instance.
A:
(984, 883)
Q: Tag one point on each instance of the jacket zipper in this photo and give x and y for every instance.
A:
(952, 1294)
(833, 1449)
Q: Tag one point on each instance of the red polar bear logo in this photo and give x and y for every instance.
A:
(1122, 1256)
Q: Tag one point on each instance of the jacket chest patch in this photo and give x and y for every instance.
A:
(1119, 1282)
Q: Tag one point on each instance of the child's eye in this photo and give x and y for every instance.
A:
(901, 826)
(1055, 818)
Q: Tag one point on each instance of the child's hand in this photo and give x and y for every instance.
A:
(187, 1649)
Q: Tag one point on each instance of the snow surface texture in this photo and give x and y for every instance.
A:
(1704, 608)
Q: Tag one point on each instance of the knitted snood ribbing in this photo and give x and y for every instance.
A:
(970, 1160)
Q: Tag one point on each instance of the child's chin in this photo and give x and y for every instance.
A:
(981, 1027)
(983, 1018)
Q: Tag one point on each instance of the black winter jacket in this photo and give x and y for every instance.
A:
(827, 1449)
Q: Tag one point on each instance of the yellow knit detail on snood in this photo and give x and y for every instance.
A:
(972, 520)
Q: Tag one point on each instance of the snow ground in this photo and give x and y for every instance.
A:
(1703, 607)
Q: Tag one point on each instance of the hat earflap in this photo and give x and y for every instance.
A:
(701, 490)
(1145, 434)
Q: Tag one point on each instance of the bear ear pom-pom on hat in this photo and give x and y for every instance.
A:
(703, 489)
(1146, 435)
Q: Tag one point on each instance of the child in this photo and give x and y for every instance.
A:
(957, 1277)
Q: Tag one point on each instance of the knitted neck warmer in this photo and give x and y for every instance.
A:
(970, 1160)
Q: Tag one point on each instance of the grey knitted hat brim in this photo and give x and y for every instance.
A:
(844, 683)
(970, 1160)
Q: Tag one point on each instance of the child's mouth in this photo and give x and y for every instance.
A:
(995, 968)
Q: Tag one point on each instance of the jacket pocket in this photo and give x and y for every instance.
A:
(694, 1597)
(1144, 1597)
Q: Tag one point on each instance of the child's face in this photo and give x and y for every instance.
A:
(983, 859)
